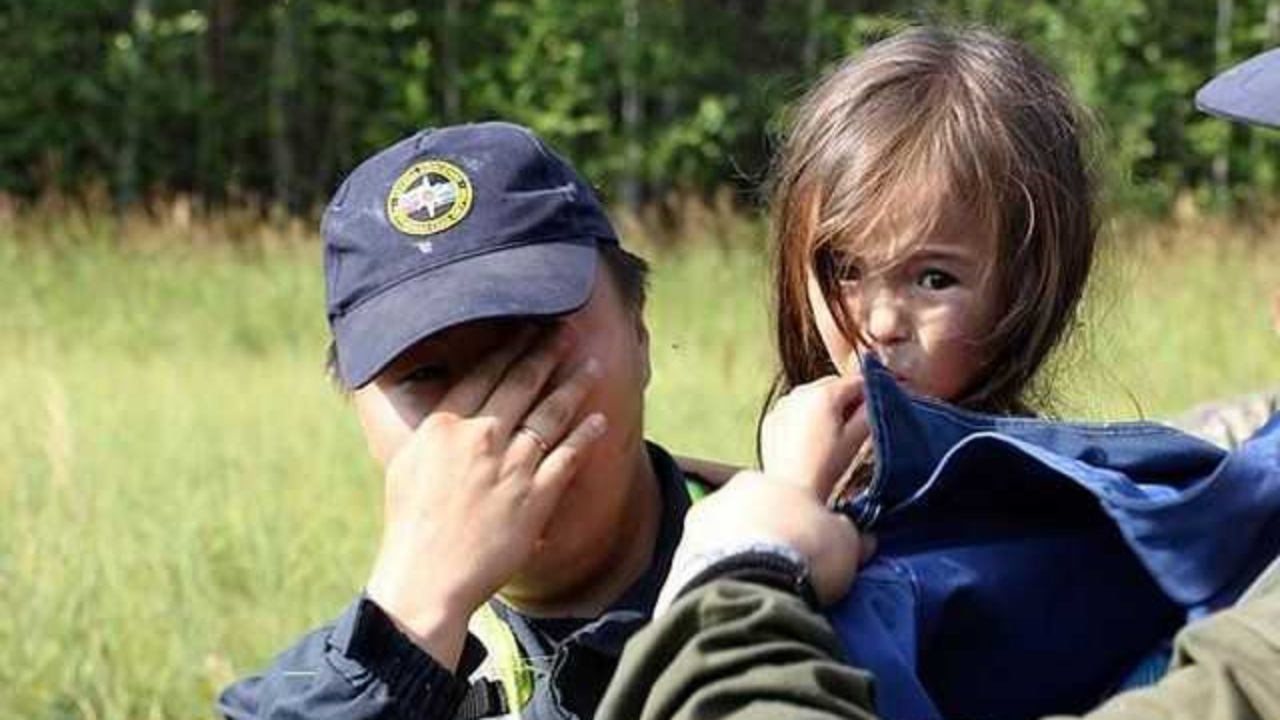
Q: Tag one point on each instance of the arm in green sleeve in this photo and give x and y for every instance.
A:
(737, 651)
(741, 651)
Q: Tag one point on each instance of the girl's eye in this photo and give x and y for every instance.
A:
(934, 279)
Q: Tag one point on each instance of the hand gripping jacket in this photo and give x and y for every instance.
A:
(1027, 567)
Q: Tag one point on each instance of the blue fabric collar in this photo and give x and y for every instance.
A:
(1203, 521)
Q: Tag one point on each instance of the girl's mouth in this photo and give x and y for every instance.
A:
(898, 376)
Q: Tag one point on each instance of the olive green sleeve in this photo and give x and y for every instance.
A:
(740, 651)
(737, 651)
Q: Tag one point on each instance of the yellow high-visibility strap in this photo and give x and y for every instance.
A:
(504, 654)
(505, 657)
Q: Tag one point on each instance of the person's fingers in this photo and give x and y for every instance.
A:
(550, 420)
(840, 393)
(840, 401)
(524, 382)
(558, 468)
(469, 393)
(855, 446)
(857, 426)
(846, 395)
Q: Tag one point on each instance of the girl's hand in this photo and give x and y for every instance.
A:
(812, 434)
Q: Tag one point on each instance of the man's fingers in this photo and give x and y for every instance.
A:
(524, 381)
(468, 394)
(558, 468)
(549, 421)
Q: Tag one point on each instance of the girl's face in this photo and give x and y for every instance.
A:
(924, 310)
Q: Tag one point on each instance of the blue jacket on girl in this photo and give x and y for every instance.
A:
(1027, 567)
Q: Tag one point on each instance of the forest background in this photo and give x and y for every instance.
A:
(182, 493)
(229, 100)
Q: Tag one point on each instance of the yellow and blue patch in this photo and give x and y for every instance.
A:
(430, 197)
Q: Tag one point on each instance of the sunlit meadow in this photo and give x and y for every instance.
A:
(184, 492)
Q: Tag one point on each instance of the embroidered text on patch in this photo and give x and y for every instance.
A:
(429, 197)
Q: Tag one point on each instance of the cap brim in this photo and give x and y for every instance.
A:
(536, 280)
(1248, 92)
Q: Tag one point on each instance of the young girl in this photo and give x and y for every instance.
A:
(746, 650)
(932, 205)
(935, 230)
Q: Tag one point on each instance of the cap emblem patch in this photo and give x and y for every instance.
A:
(430, 197)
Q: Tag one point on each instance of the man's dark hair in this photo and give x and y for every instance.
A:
(630, 275)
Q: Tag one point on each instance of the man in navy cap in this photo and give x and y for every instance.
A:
(488, 327)
(741, 642)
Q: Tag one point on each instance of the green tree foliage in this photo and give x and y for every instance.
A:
(231, 99)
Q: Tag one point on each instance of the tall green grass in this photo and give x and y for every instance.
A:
(1176, 317)
(184, 493)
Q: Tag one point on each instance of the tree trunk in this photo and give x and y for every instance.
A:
(813, 37)
(1222, 50)
(211, 153)
(282, 83)
(344, 86)
(632, 109)
(449, 63)
(1257, 142)
(127, 173)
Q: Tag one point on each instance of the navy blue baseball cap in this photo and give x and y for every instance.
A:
(1248, 92)
(452, 225)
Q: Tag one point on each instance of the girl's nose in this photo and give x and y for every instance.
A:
(886, 319)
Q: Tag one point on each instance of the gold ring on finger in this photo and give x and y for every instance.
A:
(537, 438)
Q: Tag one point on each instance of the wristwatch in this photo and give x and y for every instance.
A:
(766, 563)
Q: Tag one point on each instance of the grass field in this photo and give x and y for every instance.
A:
(184, 493)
